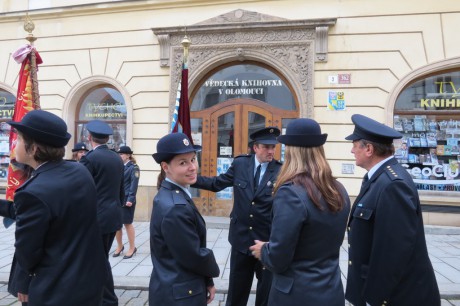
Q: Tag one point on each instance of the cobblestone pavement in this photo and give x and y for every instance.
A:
(140, 298)
(132, 276)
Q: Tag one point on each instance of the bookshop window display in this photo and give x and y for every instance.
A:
(103, 103)
(427, 113)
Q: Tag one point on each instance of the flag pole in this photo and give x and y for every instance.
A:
(186, 42)
(29, 26)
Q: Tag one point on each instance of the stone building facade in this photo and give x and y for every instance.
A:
(251, 64)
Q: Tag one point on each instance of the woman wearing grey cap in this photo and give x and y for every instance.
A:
(310, 211)
(183, 265)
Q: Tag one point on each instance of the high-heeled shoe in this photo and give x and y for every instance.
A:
(115, 254)
(129, 256)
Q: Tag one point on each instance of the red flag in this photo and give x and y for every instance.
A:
(181, 119)
(24, 103)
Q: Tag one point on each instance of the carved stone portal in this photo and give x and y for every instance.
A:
(289, 46)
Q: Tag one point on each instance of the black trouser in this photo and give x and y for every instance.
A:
(109, 297)
(242, 269)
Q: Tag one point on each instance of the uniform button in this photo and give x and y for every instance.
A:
(349, 228)
(190, 292)
(250, 228)
(250, 216)
(349, 263)
(384, 302)
(361, 214)
(253, 203)
(177, 191)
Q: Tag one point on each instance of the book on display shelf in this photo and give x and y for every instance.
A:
(423, 142)
(431, 139)
(419, 123)
(408, 125)
(414, 142)
(397, 124)
(440, 149)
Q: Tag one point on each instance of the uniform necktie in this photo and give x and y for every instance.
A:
(365, 179)
(257, 177)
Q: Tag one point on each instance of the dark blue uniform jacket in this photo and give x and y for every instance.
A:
(183, 266)
(251, 215)
(58, 242)
(388, 257)
(303, 252)
(107, 170)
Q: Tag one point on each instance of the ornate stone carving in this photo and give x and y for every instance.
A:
(295, 57)
(243, 35)
(165, 46)
(238, 16)
(321, 43)
(246, 37)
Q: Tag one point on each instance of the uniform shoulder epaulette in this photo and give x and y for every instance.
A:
(392, 173)
(243, 155)
(178, 197)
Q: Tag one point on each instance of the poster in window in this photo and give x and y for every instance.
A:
(223, 163)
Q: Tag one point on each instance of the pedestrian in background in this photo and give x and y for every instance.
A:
(59, 258)
(79, 150)
(388, 257)
(131, 182)
(252, 178)
(107, 171)
(183, 265)
(310, 212)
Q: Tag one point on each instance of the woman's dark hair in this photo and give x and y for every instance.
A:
(44, 152)
(162, 175)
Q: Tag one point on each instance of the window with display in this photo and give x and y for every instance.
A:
(427, 113)
(7, 101)
(107, 104)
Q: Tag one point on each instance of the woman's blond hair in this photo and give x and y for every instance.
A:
(309, 168)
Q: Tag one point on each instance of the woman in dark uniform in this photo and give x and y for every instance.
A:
(58, 243)
(131, 182)
(79, 150)
(310, 211)
(183, 266)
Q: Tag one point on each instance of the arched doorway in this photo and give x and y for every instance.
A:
(232, 102)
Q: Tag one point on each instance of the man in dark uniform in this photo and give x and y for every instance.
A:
(107, 170)
(388, 257)
(252, 177)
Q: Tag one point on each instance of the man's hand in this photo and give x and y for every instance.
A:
(256, 248)
(211, 294)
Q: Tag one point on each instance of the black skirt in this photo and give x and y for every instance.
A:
(128, 214)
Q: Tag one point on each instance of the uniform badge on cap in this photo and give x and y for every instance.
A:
(271, 131)
(186, 142)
